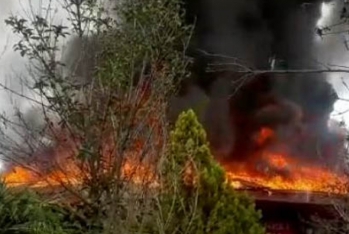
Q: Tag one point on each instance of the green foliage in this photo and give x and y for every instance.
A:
(150, 42)
(143, 50)
(214, 207)
(22, 212)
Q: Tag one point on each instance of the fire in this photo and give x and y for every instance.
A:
(283, 174)
(277, 161)
(264, 135)
(267, 169)
(281, 171)
(70, 174)
(24, 176)
(66, 169)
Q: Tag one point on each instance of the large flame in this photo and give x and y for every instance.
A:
(275, 171)
(66, 169)
(281, 171)
(70, 174)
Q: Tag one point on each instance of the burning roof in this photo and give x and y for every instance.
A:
(274, 168)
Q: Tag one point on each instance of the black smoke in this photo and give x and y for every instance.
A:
(296, 106)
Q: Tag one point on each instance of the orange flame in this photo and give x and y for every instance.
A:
(280, 171)
(287, 176)
(264, 135)
(70, 174)
(66, 169)
(270, 170)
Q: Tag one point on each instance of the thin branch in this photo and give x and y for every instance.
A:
(240, 67)
(298, 71)
(22, 95)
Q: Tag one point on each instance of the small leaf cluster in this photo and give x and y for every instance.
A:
(35, 37)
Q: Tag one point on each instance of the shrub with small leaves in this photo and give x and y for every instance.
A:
(23, 212)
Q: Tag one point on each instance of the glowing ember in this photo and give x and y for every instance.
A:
(264, 135)
(277, 161)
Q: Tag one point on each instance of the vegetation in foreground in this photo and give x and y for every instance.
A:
(193, 198)
(140, 61)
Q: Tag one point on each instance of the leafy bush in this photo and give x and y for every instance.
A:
(23, 212)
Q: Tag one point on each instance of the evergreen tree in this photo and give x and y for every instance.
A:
(205, 203)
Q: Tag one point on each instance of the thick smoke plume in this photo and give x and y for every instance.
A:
(235, 108)
(263, 34)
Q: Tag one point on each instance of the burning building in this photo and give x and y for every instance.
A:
(270, 130)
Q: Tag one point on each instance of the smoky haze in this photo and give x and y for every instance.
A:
(15, 76)
(296, 107)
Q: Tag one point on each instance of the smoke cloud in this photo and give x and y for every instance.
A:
(297, 107)
(15, 76)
